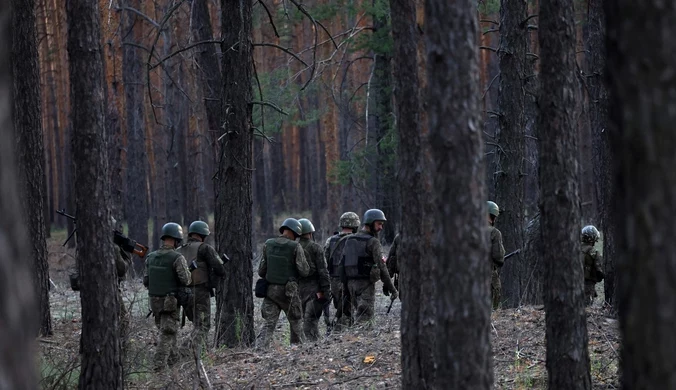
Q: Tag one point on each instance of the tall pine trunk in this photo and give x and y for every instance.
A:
(643, 97)
(459, 246)
(234, 181)
(566, 324)
(100, 347)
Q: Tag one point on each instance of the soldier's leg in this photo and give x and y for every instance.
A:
(313, 311)
(589, 293)
(166, 348)
(496, 289)
(202, 321)
(365, 304)
(294, 312)
(270, 313)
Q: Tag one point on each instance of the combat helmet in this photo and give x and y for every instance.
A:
(306, 226)
(199, 227)
(493, 208)
(590, 234)
(293, 225)
(172, 230)
(349, 220)
(373, 215)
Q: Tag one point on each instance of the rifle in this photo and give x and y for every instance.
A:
(512, 254)
(390, 307)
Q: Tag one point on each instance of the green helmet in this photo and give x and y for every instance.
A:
(306, 225)
(293, 225)
(199, 227)
(590, 234)
(172, 230)
(373, 215)
(493, 208)
(349, 220)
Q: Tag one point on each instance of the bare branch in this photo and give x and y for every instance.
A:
(525, 21)
(287, 51)
(489, 85)
(139, 13)
(269, 104)
(181, 50)
(489, 48)
(489, 21)
(265, 7)
(492, 30)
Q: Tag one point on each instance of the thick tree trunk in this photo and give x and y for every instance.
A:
(510, 153)
(460, 241)
(417, 329)
(17, 304)
(642, 86)
(566, 324)
(233, 196)
(100, 347)
(28, 130)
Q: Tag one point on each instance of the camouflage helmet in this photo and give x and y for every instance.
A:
(590, 234)
(172, 230)
(373, 215)
(349, 220)
(293, 225)
(493, 208)
(306, 226)
(199, 227)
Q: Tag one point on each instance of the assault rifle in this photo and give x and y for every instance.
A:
(124, 242)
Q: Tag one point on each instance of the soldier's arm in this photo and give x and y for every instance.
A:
(181, 268)
(213, 259)
(145, 273)
(377, 253)
(497, 250)
(322, 270)
(301, 262)
(327, 249)
(392, 266)
(263, 266)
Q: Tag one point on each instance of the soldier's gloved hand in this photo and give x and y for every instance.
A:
(394, 295)
(386, 291)
(193, 265)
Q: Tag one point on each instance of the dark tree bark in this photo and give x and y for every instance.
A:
(175, 151)
(28, 129)
(566, 325)
(100, 347)
(510, 153)
(233, 196)
(603, 152)
(642, 100)
(459, 246)
(417, 331)
(17, 304)
(532, 253)
(136, 207)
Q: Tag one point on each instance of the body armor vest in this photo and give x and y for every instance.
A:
(588, 261)
(335, 261)
(199, 275)
(356, 260)
(162, 278)
(281, 261)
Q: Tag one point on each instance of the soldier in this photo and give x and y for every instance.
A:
(205, 265)
(497, 253)
(364, 266)
(348, 223)
(393, 265)
(315, 289)
(282, 265)
(591, 259)
(165, 272)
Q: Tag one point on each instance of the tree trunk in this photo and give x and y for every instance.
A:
(28, 130)
(136, 207)
(233, 196)
(532, 293)
(604, 157)
(641, 109)
(417, 331)
(100, 347)
(460, 244)
(566, 324)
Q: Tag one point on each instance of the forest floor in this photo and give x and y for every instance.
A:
(355, 359)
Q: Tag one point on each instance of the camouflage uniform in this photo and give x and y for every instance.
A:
(498, 259)
(316, 281)
(208, 262)
(341, 297)
(165, 308)
(362, 289)
(591, 259)
(393, 263)
(282, 297)
(122, 261)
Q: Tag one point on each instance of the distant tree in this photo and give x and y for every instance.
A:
(28, 130)
(566, 322)
(642, 101)
(459, 245)
(100, 347)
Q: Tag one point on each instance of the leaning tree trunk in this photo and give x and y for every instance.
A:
(566, 324)
(28, 129)
(100, 347)
(417, 329)
(643, 97)
(17, 304)
(459, 247)
(233, 188)
(510, 153)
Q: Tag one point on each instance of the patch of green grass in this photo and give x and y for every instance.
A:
(55, 374)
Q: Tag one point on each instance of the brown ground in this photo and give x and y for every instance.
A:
(336, 362)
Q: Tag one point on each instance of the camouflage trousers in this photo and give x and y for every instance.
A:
(496, 288)
(165, 311)
(199, 313)
(342, 304)
(363, 295)
(281, 298)
(312, 309)
(589, 292)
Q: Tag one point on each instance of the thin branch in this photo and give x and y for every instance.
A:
(269, 104)
(533, 55)
(287, 51)
(490, 31)
(489, 48)
(525, 21)
(265, 7)
(497, 114)
(489, 21)
(489, 85)
(139, 13)
(181, 50)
